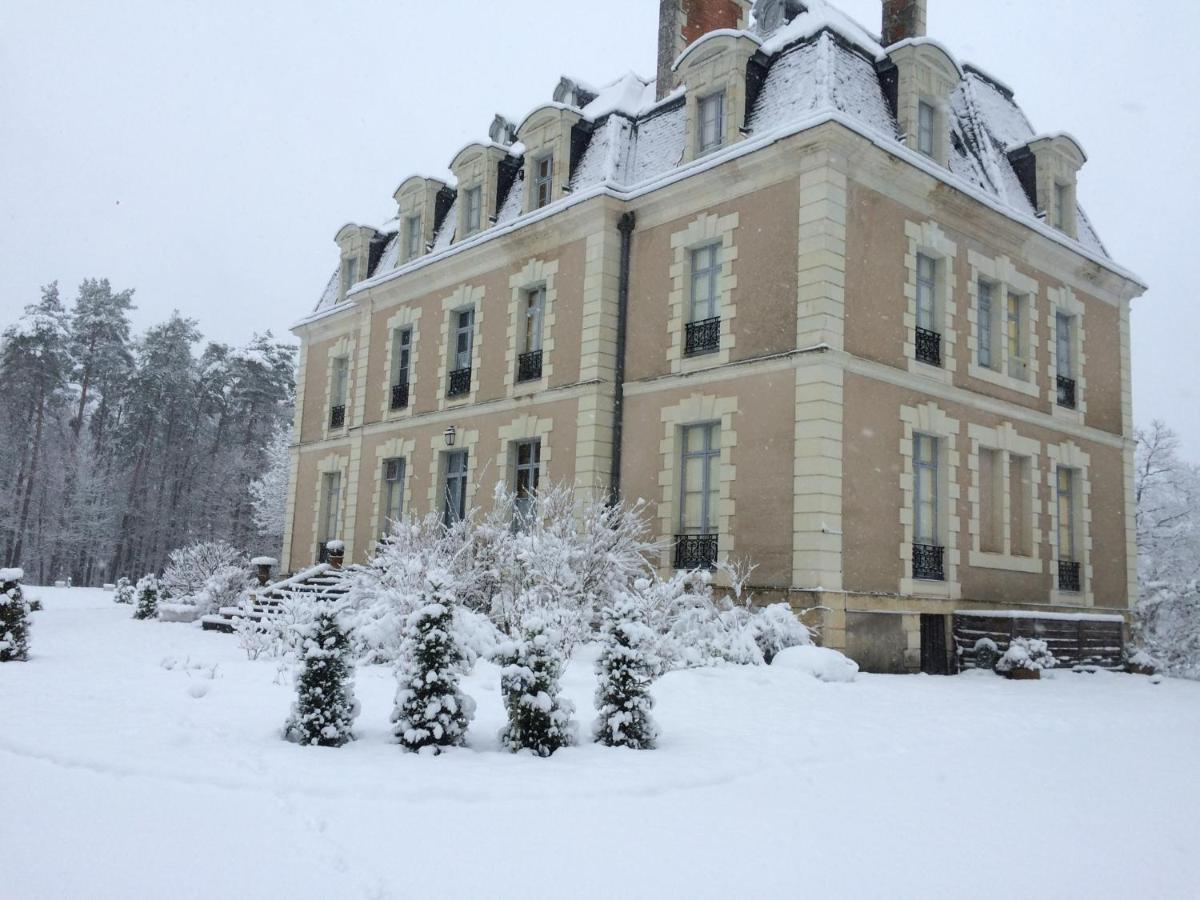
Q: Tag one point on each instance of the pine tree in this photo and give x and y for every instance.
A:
(124, 592)
(539, 718)
(325, 708)
(147, 598)
(627, 666)
(14, 618)
(431, 712)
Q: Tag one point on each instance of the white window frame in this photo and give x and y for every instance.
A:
(534, 319)
(473, 216)
(454, 478)
(927, 123)
(526, 478)
(931, 444)
(392, 476)
(339, 391)
(710, 123)
(705, 272)
(708, 451)
(1015, 373)
(349, 274)
(331, 503)
(986, 324)
(543, 183)
(402, 355)
(414, 238)
(460, 331)
(927, 293)
(1009, 445)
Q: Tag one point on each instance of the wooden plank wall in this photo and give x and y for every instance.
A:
(1073, 642)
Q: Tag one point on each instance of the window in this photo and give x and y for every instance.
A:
(474, 210)
(464, 338)
(704, 324)
(699, 493)
(331, 491)
(1064, 332)
(543, 181)
(1017, 337)
(401, 361)
(529, 362)
(929, 338)
(1062, 199)
(926, 128)
(337, 393)
(1068, 562)
(985, 312)
(414, 238)
(925, 490)
(528, 456)
(991, 500)
(349, 274)
(711, 132)
(393, 494)
(1020, 480)
(454, 495)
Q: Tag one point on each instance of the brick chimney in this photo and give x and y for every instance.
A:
(903, 19)
(682, 22)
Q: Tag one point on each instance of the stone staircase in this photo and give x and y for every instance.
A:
(322, 582)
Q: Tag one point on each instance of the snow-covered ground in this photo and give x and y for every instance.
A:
(143, 759)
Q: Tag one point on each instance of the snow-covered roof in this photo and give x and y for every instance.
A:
(821, 66)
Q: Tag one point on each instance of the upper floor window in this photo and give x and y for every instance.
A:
(1068, 560)
(1064, 341)
(414, 243)
(464, 341)
(986, 332)
(474, 210)
(1062, 197)
(929, 337)
(454, 494)
(401, 364)
(393, 494)
(529, 364)
(525, 484)
(543, 180)
(331, 493)
(349, 274)
(338, 390)
(926, 129)
(1018, 337)
(704, 324)
(711, 125)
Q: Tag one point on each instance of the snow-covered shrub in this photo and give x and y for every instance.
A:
(325, 707)
(124, 592)
(777, 628)
(627, 667)
(14, 617)
(431, 712)
(1026, 653)
(987, 653)
(146, 598)
(822, 663)
(1168, 627)
(190, 568)
(539, 718)
(225, 587)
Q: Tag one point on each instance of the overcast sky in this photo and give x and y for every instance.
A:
(206, 153)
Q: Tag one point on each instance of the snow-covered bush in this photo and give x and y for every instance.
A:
(124, 592)
(987, 653)
(14, 617)
(539, 718)
(627, 667)
(1168, 627)
(189, 568)
(225, 587)
(1026, 653)
(146, 598)
(822, 663)
(325, 707)
(776, 628)
(431, 712)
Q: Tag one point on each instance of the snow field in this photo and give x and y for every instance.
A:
(143, 758)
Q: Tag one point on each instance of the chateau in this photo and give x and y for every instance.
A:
(826, 298)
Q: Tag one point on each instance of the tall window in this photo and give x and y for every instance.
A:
(464, 337)
(926, 527)
(711, 132)
(454, 494)
(1066, 514)
(337, 392)
(527, 472)
(543, 180)
(927, 292)
(414, 238)
(705, 272)
(991, 500)
(926, 128)
(1017, 362)
(1065, 359)
(535, 310)
(1020, 482)
(699, 486)
(474, 210)
(393, 494)
(331, 495)
(985, 313)
(401, 361)
(349, 273)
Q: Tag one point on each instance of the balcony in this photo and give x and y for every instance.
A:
(929, 562)
(695, 551)
(1069, 580)
(1066, 392)
(929, 347)
(702, 337)
(529, 366)
(460, 383)
(399, 395)
(337, 416)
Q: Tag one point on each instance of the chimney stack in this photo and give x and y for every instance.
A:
(903, 19)
(682, 22)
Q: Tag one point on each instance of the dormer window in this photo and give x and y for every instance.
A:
(474, 211)
(548, 134)
(413, 238)
(543, 180)
(1048, 168)
(421, 204)
(1062, 193)
(920, 78)
(349, 274)
(926, 129)
(711, 133)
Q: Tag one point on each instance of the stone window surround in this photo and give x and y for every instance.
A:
(931, 420)
(708, 228)
(547, 132)
(696, 410)
(354, 243)
(711, 65)
(464, 297)
(1005, 279)
(396, 448)
(405, 317)
(537, 273)
(1064, 300)
(1069, 455)
(328, 465)
(417, 196)
(525, 428)
(477, 166)
(465, 440)
(928, 239)
(1005, 440)
(1058, 159)
(343, 348)
(925, 74)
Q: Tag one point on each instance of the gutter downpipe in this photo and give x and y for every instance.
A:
(625, 226)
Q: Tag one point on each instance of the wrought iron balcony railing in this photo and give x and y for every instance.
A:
(337, 416)
(929, 347)
(695, 551)
(1066, 392)
(929, 562)
(702, 337)
(400, 395)
(1069, 576)
(529, 366)
(460, 382)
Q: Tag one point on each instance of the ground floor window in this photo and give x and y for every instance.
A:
(699, 493)
(393, 494)
(928, 550)
(528, 455)
(454, 504)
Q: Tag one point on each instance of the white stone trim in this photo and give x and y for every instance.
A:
(701, 232)
(1069, 454)
(1005, 278)
(525, 428)
(396, 448)
(821, 285)
(817, 483)
(466, 296)
(928, 239)
(1007, 443)
(598, 341)
(405, 317)
(1129, 459)
(341, 349)
(333, 462)
(930, 419)
(1064, 300)
(464, 440)
(537, 273)
(697, 410)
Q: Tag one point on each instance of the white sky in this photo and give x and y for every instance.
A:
(206, 152)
